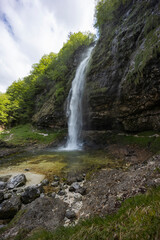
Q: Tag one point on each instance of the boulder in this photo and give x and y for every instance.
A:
(46, 213)
(31, 193)
(2, 185)
(75, 186)
(9, 208)
(16, 181)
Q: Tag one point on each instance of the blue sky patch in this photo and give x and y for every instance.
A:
(5, 20)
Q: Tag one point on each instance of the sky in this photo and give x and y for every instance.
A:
(31, 28)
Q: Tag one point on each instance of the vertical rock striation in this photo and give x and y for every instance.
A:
(123, 85)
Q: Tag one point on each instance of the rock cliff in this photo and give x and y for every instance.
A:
(123, 84)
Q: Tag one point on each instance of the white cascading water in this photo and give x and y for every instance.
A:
(74, 105)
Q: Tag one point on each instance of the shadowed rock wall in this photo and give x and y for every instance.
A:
(123, 84)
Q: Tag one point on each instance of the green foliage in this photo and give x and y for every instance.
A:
(138, 218)
(106, 10)
(4, 108)
(18, 105)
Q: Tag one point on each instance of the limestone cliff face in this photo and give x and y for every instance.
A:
(52, 113)
(123, 84)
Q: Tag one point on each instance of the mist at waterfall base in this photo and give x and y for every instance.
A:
(74, 111)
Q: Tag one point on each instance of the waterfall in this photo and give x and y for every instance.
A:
(74, 105)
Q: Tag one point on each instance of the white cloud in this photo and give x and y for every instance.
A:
(31, 28)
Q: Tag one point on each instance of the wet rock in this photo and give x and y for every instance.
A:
(75, 186)
(70, 214)
(1, 196)
(16, 181)
(9, 208)
(54, 184)
(2, 185)
(31, 193)
(45, 182)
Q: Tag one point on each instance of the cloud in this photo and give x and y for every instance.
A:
(29, 29)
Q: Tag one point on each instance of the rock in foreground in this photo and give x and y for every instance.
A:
(9, 208)
(16, 181)
(44, 212)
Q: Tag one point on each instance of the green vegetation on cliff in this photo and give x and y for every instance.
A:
(106, 11)
(20, 101)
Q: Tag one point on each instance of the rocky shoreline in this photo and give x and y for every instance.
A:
(73, 198)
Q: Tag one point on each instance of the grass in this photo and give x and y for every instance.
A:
(146, 140)
(138, 218)
(23, 134)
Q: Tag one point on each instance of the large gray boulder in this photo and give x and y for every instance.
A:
(9, 208)
(16, 181)
(31, 193)
(43, 213)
